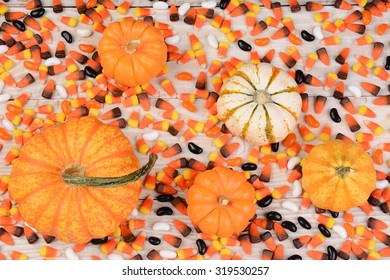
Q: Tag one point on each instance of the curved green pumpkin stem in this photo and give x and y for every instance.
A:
(110, 182)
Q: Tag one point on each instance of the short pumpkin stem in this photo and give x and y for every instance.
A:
(262, 97)
(223, 200)
(131, 46)
(109, 182)
(342, 171)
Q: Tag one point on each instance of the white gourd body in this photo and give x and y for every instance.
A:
(260, 103)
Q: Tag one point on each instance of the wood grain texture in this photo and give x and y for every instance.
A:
(148, 3)
(303, 20)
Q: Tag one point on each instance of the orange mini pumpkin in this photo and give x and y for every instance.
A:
(70, 180)
(338, 175)
(221, 202)
(132, 52)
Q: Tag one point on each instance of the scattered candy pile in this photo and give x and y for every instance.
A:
(233, 29)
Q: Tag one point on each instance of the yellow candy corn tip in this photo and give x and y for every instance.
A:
(317, 18)
(9, 64)
(3, 10)
(72, 22)
(309, 137)
(378, 131)
(370, 64)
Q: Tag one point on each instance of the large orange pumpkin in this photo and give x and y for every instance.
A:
(70, 180)
(132, 52)
(338, 175)
(221, 202)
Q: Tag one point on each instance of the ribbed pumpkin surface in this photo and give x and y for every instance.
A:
(74, 213)
(132, 52)
(338, 175)
(260, 103)
(221, 202)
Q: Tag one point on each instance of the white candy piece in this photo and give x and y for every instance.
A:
(8, 125)
(168, 254)
(297, 188)
(52, 61)
(114, 257)
(151, 136)
(173, 40)
(340, 231)
(356, 91)
(83, 32)
(3, 48)
(135, 212)
(61, 91)
(382, 184)
(160, 5)
(4, 97)
(70, 254)
(317, 32)
(183, 9)
(291, 206)
(212, 41)
(161, 226)
(209, 4)
(294, 161)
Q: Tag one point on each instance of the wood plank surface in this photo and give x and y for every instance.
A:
(302, 21)
(149, 3)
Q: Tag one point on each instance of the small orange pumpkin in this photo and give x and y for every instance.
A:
(221, 202)
(338, 175)
(132, 52)
(78, 180)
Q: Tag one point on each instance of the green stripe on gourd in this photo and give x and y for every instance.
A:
(288, 110)
(270, 124)
(224, 92)
(287, 90)
(229, 113)
(246, 126)
(269, 127)
(246, 78)
(275, 72)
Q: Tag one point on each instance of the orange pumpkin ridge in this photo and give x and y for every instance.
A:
(221, 202)
(59, 193)
(338, 175)
(132, 52)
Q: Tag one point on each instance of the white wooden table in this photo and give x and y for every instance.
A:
(302, 20)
